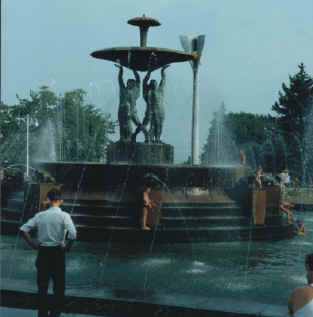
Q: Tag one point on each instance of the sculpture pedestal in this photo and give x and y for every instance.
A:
(140, 153)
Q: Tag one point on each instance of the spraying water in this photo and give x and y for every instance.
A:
(46, 145)
(220, 147)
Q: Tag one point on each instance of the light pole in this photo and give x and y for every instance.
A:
(1, 21)
(194, 46)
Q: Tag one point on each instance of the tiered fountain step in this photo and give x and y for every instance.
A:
(301, 198)
(198, 203)
(180, 222)
(185, 234)
(12, 213)
(101, 220)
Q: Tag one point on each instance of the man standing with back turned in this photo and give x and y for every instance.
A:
(53, 226)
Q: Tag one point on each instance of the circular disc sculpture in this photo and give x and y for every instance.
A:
(144, 59)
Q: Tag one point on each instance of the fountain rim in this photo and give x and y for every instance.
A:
(133, 57)
(181, 166)
(142, 49)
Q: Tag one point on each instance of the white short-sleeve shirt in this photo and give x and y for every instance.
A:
(52, 225)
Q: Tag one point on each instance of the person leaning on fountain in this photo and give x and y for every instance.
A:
(258, 178)
(286, 206)
(127, 111)
(284, 180)
(300, 302)
(53, 225)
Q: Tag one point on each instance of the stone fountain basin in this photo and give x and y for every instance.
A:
(199, 203)
(94, 178)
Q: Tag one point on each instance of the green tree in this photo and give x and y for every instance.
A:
(291, 110)
(235, 132)
(249, 134)
(86, 130)
(64, 126)
(246, 127)
(293, 103)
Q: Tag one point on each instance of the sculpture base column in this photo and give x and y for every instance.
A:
(140, 153)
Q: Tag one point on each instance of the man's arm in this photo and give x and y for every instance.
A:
(71, 232)
(163, 77)
(137, 87)
(67, 246)
(145, 85)
(29, 240)
(26, 228)
(120, 75)
(137, 77)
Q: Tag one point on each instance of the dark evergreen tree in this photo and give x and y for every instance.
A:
(292, 106)
(291, 110)
(273, 149)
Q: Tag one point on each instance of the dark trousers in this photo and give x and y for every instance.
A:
(50, 264)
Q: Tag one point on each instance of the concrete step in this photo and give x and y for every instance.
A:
(18, 195)
(133, 234)
(11, 214)
(167, 204)
(203, 220)
(191, 234)
(10, 226)
(161, 228)
(180, 220)
(15, 204)
(106, 220)
(201, 211)
(130, 209)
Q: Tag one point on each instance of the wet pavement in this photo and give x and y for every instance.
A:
(237, 277)
(15, 312)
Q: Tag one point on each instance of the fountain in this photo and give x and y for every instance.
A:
(220, 147)
(142, 58)
(207, 203)
(199, 203)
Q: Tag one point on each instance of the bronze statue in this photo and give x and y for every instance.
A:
(154, 97)
(127, 111)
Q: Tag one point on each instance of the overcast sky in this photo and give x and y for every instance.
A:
(251, 47)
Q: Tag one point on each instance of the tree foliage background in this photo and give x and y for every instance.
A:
(234, 132)
(66, 128)
(62, 127)
(275, 142)
(293, 117)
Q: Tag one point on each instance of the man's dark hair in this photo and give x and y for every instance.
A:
(54, 195)
(309, 261)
